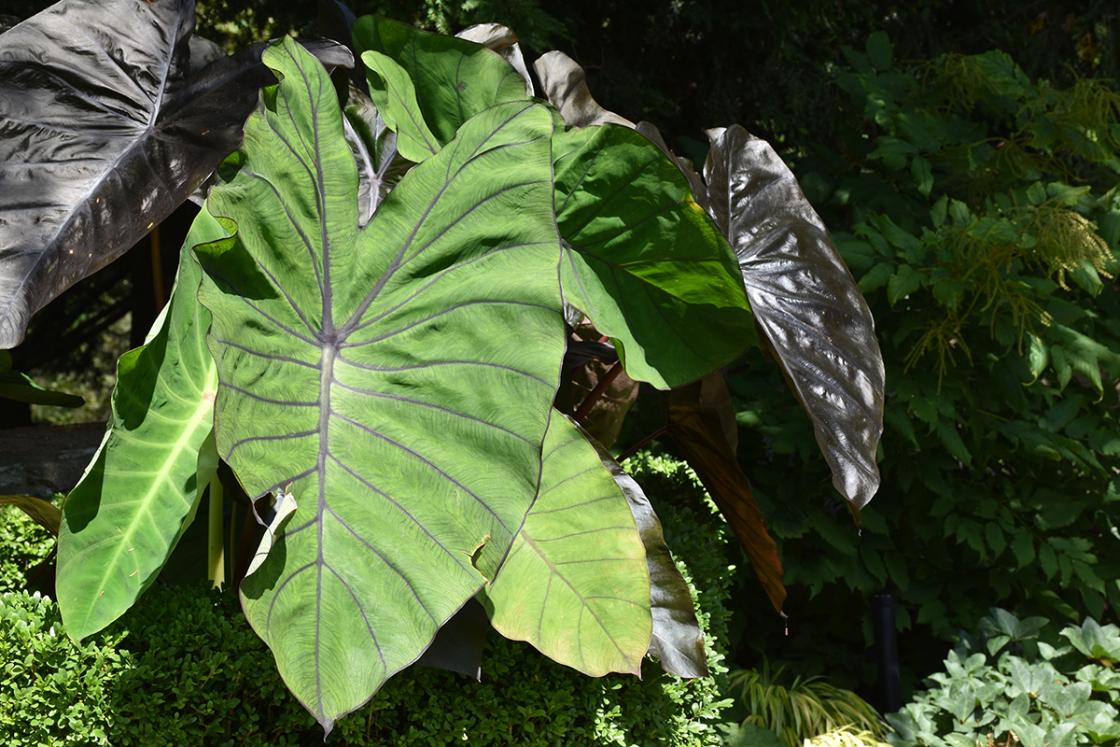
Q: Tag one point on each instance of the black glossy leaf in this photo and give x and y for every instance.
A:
(806, 302)
(105, 127)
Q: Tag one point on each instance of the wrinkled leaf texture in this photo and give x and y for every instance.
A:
(106, 126)
(381, 387)
(806, 302)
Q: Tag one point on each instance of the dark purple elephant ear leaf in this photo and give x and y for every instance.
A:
(806, 302)
(108, 121)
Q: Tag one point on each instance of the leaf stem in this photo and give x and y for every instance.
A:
(216, 557)
(642, 443)
(597, 393)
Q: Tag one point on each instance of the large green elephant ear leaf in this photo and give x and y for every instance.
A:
(575, 584)
(806, 302)
(372, 374)
(427, 85)
(140, 493)
(643, 261)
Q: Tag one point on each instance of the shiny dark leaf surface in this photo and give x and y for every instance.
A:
(106, 125)
(806, 302)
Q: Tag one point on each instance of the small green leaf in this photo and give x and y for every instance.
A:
(922, 172)
(1038, 356)
(880, 51)
(951, 439)
(1048, 560)
(20, 387)
(446, 80)
(1022, 545)
(392, 90)
(903, 282)
(995, 538)
(940, 211)
(876, 277)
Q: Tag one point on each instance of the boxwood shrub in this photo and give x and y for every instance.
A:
(183, 667)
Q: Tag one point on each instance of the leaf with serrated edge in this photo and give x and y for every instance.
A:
(371, 374)
(575, 584)
(142, 488)
(643, 261)
(806, 302)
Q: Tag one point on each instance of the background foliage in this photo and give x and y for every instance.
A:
(977, 207)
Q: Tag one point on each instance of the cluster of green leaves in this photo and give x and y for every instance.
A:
(795, 709)
(978, 209)
(24, 542)
(1020, 682)
(183, 667)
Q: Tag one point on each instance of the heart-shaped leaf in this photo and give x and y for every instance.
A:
(140, 492)
(575, 584)
(806, 302)
(427, 85)
(643, 261)
(370, 373)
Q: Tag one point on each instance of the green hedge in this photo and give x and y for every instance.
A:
(183, 667)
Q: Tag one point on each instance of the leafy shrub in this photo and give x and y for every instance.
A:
(185, 668)
(806, 708)
(24, 544)
(1018, 683)
(978, 209)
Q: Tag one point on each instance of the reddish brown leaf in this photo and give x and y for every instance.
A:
(702, 421)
